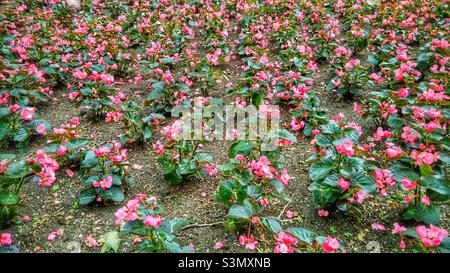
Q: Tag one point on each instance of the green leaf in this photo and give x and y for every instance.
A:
(323, 195)
(168, 60)
(241, 147)
(364, 182)
(437, 185)
(254, 191)
(157, 92)
(324, 141)
(147, 132)
(302, 234)
(240, 212)
(8, 198)
(204, 157)
(17, 170)
(171, 246)
(331, 128)
(427, 214)
(372, 59)
(257, 99)
(284, 134)
(7, 156)
(277, 185)
(111, 241)
(183, 87)
(225, 191)
(395, 121)
(114, 193)
(87, 196)
(444, 247)
(272, 224)
(22, 135)
(9, 249)
(4, 111)
(173, 225)
(226, 167)
(425, 170)
(89, 160)
(136, 227)
(320, 170)
(423, 60)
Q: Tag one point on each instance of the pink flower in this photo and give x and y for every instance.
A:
(402, 244)
(73, 95)
(211, 169)
(330, 245)
(355, 126)
(344, 184)
(408, 199)
(424, 157)
(285, 241)
(167, 77)
(398, 229)
(284, 178)
(296, 124)
(159, 148)
(262, 168)
(380, 133)
(113, 116)
(345, 148)
(290, 214)
(408, 185)
(263, 202)
(248, 242)
(47, 176)
(356, 108)
(393, 151)
(362, 194)
(79, 74)
(107, 78)
(403, 92)
(69, 173)
(14, 108)
(103, 184)
(27, 114)
(102, 151)
(425, 200)
(385, 178)
(54, 234)
(398, 75)
(376, 77)
(218, 245)
(409, 135)
(41, 129)
(106, 183)
(5, 239)
(322, 213)
(155, 222)
(431, 237)
(61, 150)
(377, 226)
(91, 242)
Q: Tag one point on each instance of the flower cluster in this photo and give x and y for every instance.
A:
(339, 179)
(141, 217)
(181, 159)
(104, 172)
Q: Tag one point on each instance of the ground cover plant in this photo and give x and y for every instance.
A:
(115, 126)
